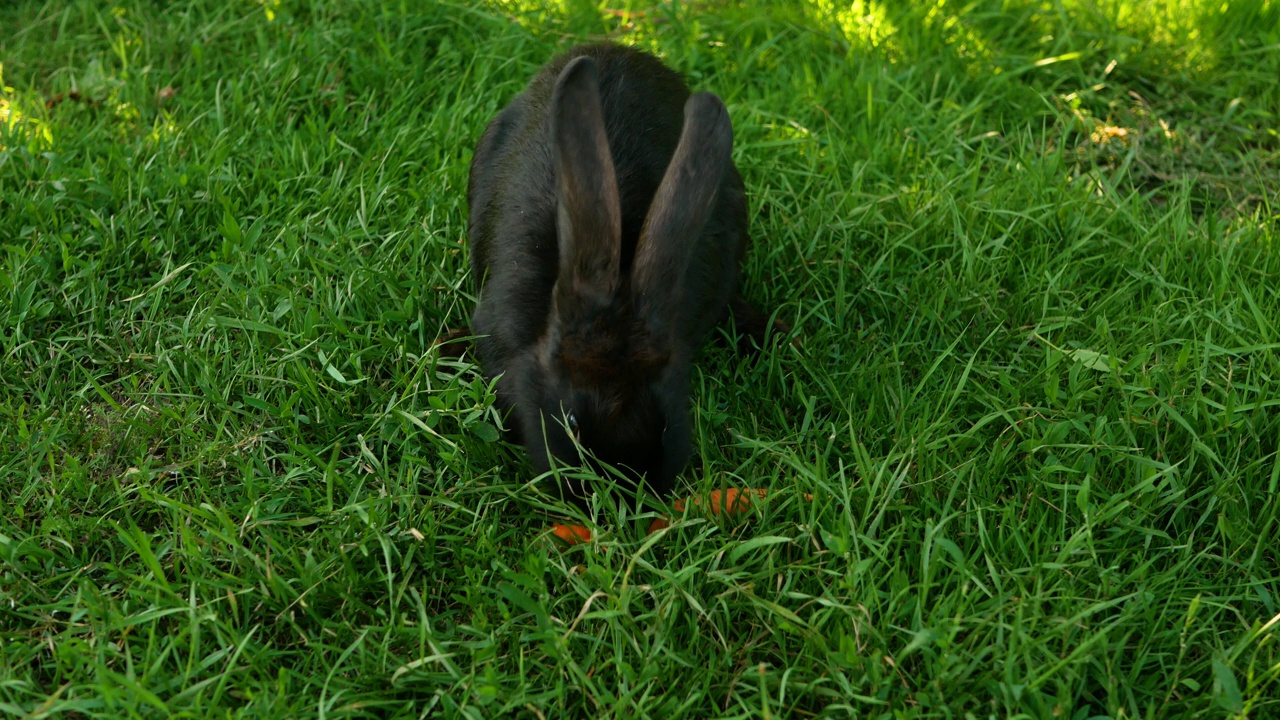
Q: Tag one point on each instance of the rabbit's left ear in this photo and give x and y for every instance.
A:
(683, 203)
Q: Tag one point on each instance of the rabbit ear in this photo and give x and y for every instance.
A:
(588, 217)
(681, 207)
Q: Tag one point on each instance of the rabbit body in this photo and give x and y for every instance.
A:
(607, 225)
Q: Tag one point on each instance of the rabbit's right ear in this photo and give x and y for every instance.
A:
(681, 208)
(588, 214)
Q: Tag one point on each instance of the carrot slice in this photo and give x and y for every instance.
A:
(726, 501)
(731, 500)
(571, 534)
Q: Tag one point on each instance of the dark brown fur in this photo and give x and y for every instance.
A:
(607, 226)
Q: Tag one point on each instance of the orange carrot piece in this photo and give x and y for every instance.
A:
(726, 501)
(731, 500)
(571, 534)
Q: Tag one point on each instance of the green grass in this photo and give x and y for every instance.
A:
(1029, 247)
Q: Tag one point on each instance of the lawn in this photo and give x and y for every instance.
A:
(1023, 458)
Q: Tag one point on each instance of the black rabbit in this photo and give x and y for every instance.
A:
(607, 225)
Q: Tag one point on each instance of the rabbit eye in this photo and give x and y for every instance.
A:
(573, 425)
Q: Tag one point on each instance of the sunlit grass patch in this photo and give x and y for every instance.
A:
(18, 127)
(863, 22)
